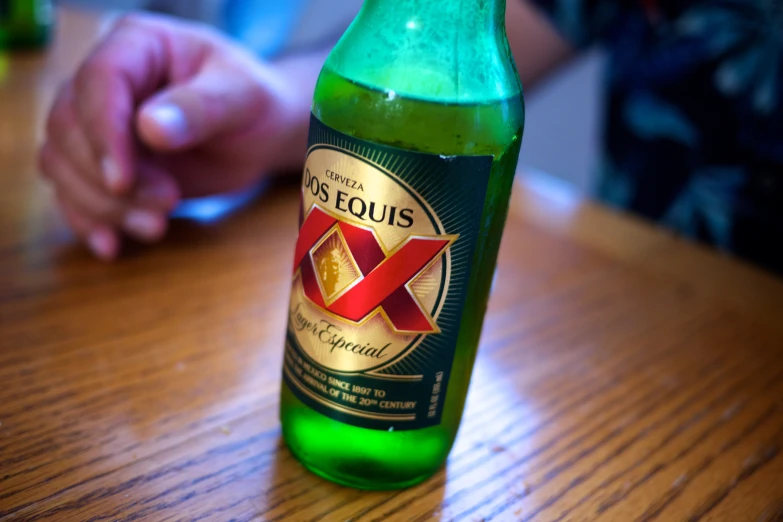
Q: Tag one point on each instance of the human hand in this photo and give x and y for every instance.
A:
(162, 110)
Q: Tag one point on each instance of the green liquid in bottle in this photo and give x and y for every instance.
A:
(402, 109)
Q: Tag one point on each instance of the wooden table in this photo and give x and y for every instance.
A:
(623, 374)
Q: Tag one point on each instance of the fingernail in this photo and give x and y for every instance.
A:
(172, 120)
(102, 244)
(144, 224)
(111, 173)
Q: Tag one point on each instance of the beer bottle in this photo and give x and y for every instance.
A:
(414, 137)
(25, 24)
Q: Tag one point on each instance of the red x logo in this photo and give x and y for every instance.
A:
(383, 281)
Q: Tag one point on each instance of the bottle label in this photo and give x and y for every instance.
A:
(380, 275)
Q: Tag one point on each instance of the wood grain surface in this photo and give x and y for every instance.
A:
(623, 374)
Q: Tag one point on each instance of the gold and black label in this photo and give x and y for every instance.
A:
(380, 274)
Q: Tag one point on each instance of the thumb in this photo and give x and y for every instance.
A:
(210, 105)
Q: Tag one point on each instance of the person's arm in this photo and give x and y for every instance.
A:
(301, 73)
(537, 46)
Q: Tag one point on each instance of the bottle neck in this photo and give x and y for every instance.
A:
(441, 50)
(484, 17)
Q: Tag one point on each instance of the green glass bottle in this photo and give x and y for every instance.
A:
(25, 24)
(415, 133)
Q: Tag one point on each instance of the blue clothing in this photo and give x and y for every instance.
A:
(261, 25)
(694, 127)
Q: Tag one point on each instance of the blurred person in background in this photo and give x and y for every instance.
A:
(268, 28)
(164, 110)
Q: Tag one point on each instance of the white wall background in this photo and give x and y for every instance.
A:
(564, 119)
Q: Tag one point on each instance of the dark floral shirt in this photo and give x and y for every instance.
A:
(694, 126)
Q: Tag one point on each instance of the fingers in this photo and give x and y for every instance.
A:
(91, 152)
(95, 153)
(65, 133)
(156, 189)
(139, 55)
(102, 240)
(93, 212)
(108, 84)
(104, 109)
(218, 101)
